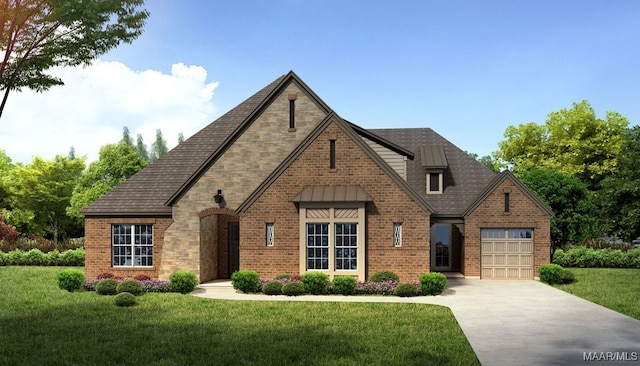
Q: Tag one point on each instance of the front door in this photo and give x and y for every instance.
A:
(441, 248)
(234, 247)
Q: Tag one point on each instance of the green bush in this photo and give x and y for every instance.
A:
(433, 283)
(283, 276)
(555, 274)
(315, 283)
(293, 289)
(584, 257)
(344, 285)
(15, 258)
(405, 290)
(73, 257)
(34, 257)
(183, 281)
(107, 286)
(53, 258)
(272, 288)
(246, 281)
(125, 299)
(3, 258)
(131, 286)
(384, 276)
(71, 279)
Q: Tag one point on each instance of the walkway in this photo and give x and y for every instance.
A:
(510, 322)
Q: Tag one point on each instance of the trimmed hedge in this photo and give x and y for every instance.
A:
(35, 257)
(108, 286)
(344, 285)
(555, 274)
(406, 290)
(384, 276)
(584, 257)
(131, 286)
(246, 281)
(70, 279)
(433, 283)
(293, 289)
(315, 283)
(183, 281)
(272, 288)
(125, 299)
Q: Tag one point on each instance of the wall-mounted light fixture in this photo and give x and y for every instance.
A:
(218, 197)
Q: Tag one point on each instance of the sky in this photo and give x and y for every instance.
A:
(466, 69)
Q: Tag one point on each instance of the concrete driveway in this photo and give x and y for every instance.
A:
(513, 322)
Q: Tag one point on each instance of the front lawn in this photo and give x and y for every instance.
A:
(614, 288)
(41, 324)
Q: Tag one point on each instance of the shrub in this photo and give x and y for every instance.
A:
(433, 283)
(568, 277)
(272, 288)
(70, 279)
(551, 273)
(53, 258)
(73, 257)
(156, 286)
(344, 285)
(3, 258)
(284, 276)
(15, 258)
(131, 286)
(246, 281)
(315, 283)
(384, 276)
(376, 288)
(406, 290)
(34, 257)
(293, 288)
(8, 232)
(183, 281)
(107, 286)
(125, 299)
(104, 275)
(142, 277)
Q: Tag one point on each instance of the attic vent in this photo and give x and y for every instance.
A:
(433, 157)
(292, 111)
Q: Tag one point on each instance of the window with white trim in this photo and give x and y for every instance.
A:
(434, 183)
(397, 234)
(269, 234)
(132, 245)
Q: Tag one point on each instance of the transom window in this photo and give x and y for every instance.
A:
(507, 233)
(132, 245)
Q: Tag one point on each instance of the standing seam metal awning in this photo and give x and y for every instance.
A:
(332, 194)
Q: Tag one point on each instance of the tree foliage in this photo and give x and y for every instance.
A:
(116, 163)
(6, 169)
(619, 196)
(43, 189)
(572, 141)
(36, 35)
(571, 202)
(141, 148)
(158, 148)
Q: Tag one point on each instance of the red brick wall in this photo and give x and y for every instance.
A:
(98, 246)
(523, 213)
(353, 167)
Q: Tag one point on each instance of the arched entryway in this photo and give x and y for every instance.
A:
(219, 243)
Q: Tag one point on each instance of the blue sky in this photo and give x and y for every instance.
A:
(467, 69)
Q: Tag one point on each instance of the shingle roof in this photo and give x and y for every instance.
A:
(147, 192)
(464, 179)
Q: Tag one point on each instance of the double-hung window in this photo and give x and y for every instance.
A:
(132, 245)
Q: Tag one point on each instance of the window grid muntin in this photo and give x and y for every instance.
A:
(397, 234)
(317, 246)
(346, 246)
(132, 245)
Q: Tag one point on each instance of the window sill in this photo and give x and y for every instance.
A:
(292, 130)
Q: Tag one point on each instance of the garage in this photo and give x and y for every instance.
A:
(507, 254)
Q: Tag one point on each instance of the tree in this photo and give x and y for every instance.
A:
(116, 163)
(572, 141)
(571, 202)
(44, 189)
(619, 196)
(158, 148)
(6, 169)
(36, 35)
(72, 153)
(126, 136)
(141, 148)
(180, 138)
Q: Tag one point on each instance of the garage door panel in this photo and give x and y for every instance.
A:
(507, 258)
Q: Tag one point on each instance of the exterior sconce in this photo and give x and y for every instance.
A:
(218, 197)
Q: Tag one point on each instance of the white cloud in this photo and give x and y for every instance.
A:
(90, 110)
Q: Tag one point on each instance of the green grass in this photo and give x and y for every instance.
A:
(44, 325)
(614, 288)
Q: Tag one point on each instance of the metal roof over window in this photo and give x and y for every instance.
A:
(332, 194)
(433, 157)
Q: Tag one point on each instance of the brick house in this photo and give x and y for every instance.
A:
(282, 184)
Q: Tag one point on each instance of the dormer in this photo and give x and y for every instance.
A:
(434, 161)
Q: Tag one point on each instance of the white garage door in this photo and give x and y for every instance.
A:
(507, 254)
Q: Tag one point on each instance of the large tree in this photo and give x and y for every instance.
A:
(619, 196)
(6, 169)
(571, 202)
(36, 35)
(573, 141)
(44, 189)
(117, 162)
(158, 148)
